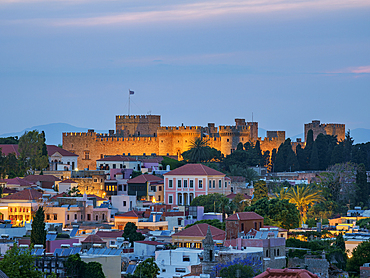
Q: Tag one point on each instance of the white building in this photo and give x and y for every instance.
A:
(118, 162)
(60, 159)
(176, 262)
(123, 203)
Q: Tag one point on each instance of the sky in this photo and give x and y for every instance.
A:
(287, 62)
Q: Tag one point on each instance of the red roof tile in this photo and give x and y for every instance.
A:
(93, 239)
(27, 194)
(35, 178)
(52, 149)
(118, 158)
(145, 178)
(97, 197)
(249, 215)
(200, 230)
(111, 234)
(194, 170)
(17, 181)
(285, 273)
(9, 148)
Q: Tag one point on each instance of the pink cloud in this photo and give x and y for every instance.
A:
(364, 69)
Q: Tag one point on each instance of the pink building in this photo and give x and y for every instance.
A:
(185, 183)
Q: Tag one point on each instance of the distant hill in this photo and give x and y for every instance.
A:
(53, 132)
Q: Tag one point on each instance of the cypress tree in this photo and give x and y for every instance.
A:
(38, 232)
(362, 190)
(314, 159)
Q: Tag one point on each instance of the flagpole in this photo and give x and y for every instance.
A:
(129, 95)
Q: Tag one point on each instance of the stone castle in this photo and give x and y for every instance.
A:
(144, 135)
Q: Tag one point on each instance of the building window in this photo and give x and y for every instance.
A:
(55, 216)
(255, 225)
(179, 183)
(95, 180)
(124, 203)
(185, 258)
(121, 166)
(200, 184)
(96, 217)
(48, 217)
(87, 155)
(170, 183)
(120, 187)
(267, 253)
(163, 270)
(180, 200)
(75, 216)
(159, 198)
(260, 225)
(210, 184)
(114, 166)
(214, 184)
(178, 269)
(219, 184)
(170, 199)
(242, 227)
(89, 217)
(185, 183)
(103, 216)
(159, 188)
(227, 140)
(225, 184)
(125, 187)
(191, 184)
(67, 216)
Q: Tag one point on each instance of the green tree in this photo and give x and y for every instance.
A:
(260, 190)
(225, 205)
(30, 147)
(208, 202)
(38, 232)
(75, 267)
(362, 186)
(200, 151)
(130, 233)
(9, 140)
(19, 263)
(303, 196)
(277, 212)
(314, 159)
(93, 269)
(147, 268)
(360, 255)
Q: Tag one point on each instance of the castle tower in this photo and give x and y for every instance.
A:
(209, 261)
(140, 125)
(338, 130)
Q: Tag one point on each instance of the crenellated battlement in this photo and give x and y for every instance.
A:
(131, 117)
(78, 134)
(176, 128)
(229, 128)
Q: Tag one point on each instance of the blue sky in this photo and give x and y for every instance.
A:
(192, 62)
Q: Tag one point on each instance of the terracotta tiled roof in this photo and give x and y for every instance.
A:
(34, 178)
(200, 230)
(27, 194)
(18, 181)
(149, 242)
(9, 190)
(194, 170)
(250, 215)
(52, 149)
(9, 148)
(131, 213)
(111, 234)
(93, 239)
(63, 194)
(68, 181)
(97, 197)
(118, 158)
(232, 196)
(286, 273)
(145, 178)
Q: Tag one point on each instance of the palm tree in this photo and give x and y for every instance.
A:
(281, 193)
(199, 151)
(303, 196)
(224, 205)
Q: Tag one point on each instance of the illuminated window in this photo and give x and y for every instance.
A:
(200, 184)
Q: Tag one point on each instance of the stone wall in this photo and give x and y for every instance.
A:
(327, 129)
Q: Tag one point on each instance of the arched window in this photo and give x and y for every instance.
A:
(97, 217)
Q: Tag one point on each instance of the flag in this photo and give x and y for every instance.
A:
(131, 92)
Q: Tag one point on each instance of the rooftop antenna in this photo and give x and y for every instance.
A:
(129, 95)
